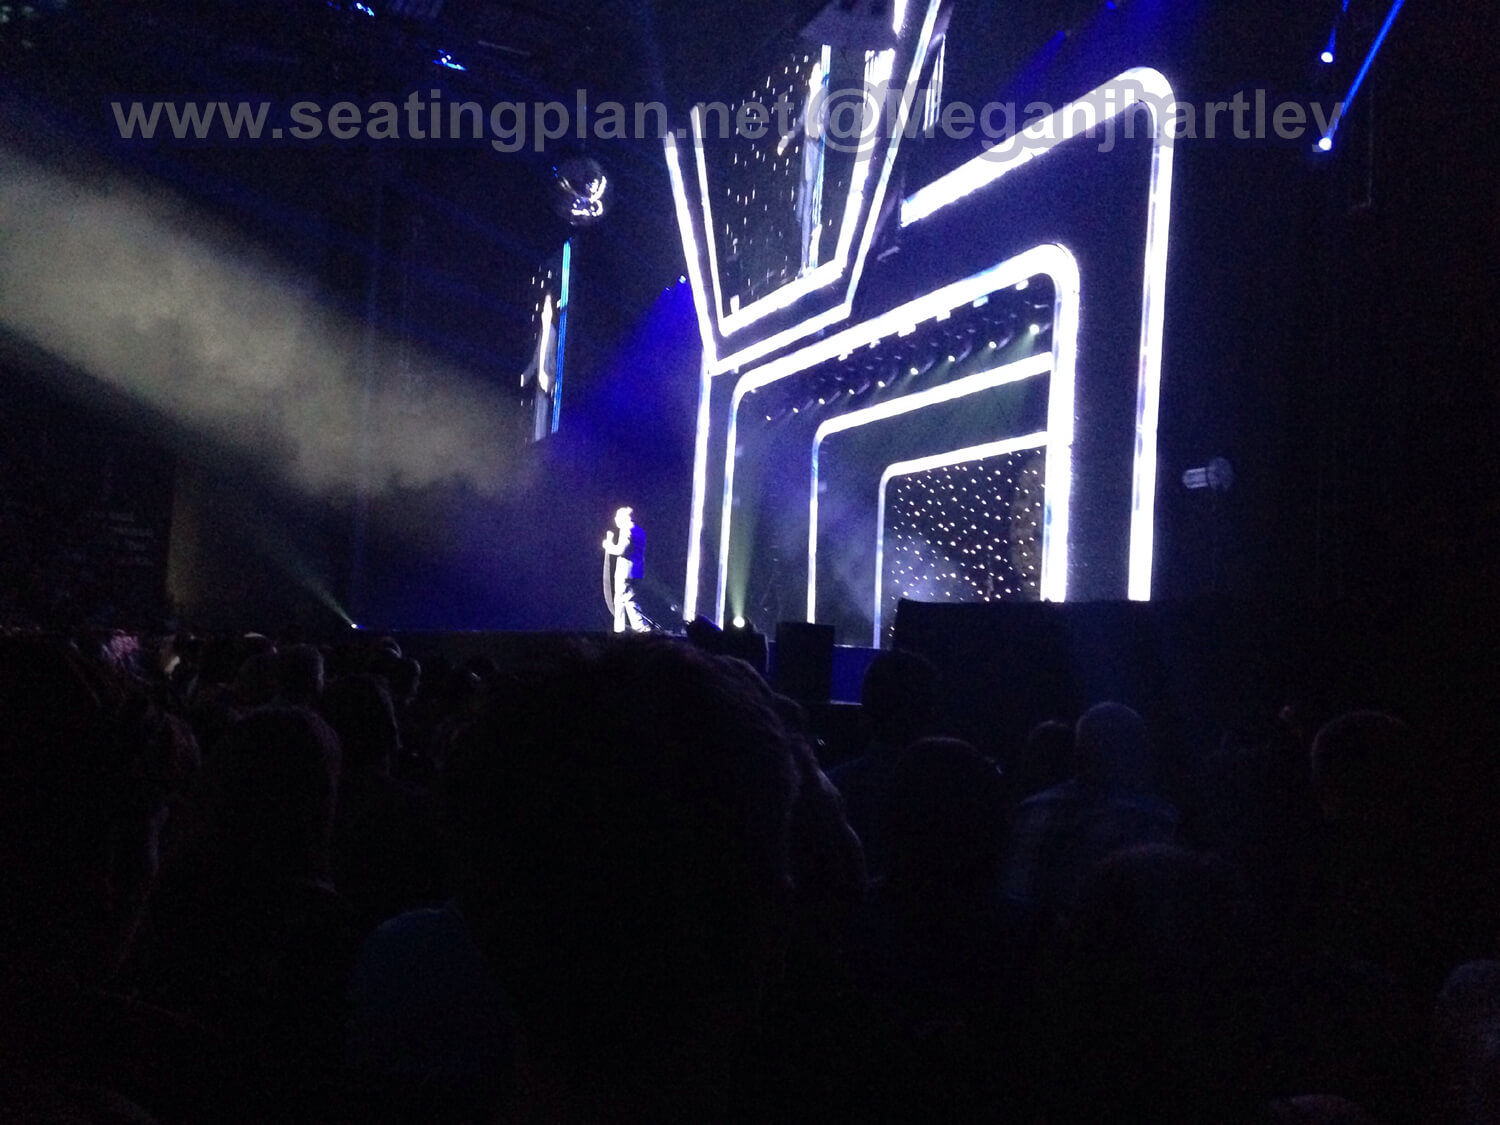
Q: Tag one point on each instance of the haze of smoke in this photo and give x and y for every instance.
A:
(138, 290)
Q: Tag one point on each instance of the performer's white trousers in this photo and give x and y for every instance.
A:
(626, 611)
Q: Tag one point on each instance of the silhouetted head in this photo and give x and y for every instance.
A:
(256, 682)
(1046, 760)
(1110, 748)
(53, 796)
(405, 680)
(624, 518)
(299, 671)
(84, 786)
(359, 710)
(1365, 768)
(1466, 1045)
(271, 783)
(899, 696)
(706, 635)
(945, 821)
(621, 825)
(1157, 991)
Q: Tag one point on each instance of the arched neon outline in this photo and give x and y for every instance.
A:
(1051, 259)
(1144, 86)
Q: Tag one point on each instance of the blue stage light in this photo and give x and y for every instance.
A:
(1364, 68)
(447, 60)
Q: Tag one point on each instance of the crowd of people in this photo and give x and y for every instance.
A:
(623, 880)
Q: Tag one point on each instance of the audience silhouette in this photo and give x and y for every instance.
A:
(250, 880)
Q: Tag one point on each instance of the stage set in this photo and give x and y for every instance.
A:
(1064, 398)
(1078, 363)
(909, 311)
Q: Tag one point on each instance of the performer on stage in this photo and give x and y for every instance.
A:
(540, 374)
(628, 545)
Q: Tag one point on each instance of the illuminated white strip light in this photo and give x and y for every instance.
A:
(935, 89)
(705, 378)
(1150, 88)
(562, 333)
(1027, 368)
(700, 494)
(1050, 259)
(922, 465)
(878, 72)
(825, 69)
(690, 245)
(710, 236)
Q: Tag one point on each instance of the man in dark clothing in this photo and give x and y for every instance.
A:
(898, 703)
(628, 545)
(1060, 834)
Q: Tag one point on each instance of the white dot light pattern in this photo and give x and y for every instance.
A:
(970, 532)
(542, 283)
(760, 234)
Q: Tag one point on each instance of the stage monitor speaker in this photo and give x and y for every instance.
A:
(804, 661)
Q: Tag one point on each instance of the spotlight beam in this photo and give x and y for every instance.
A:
(1339, 110)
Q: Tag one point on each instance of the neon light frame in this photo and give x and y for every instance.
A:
(780, 299)
(793, 291)
(819, 277)
(1011, 154)
(1050, 259)
(922, 465)
(956, 185)
(1059, 410)
(712, 364)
